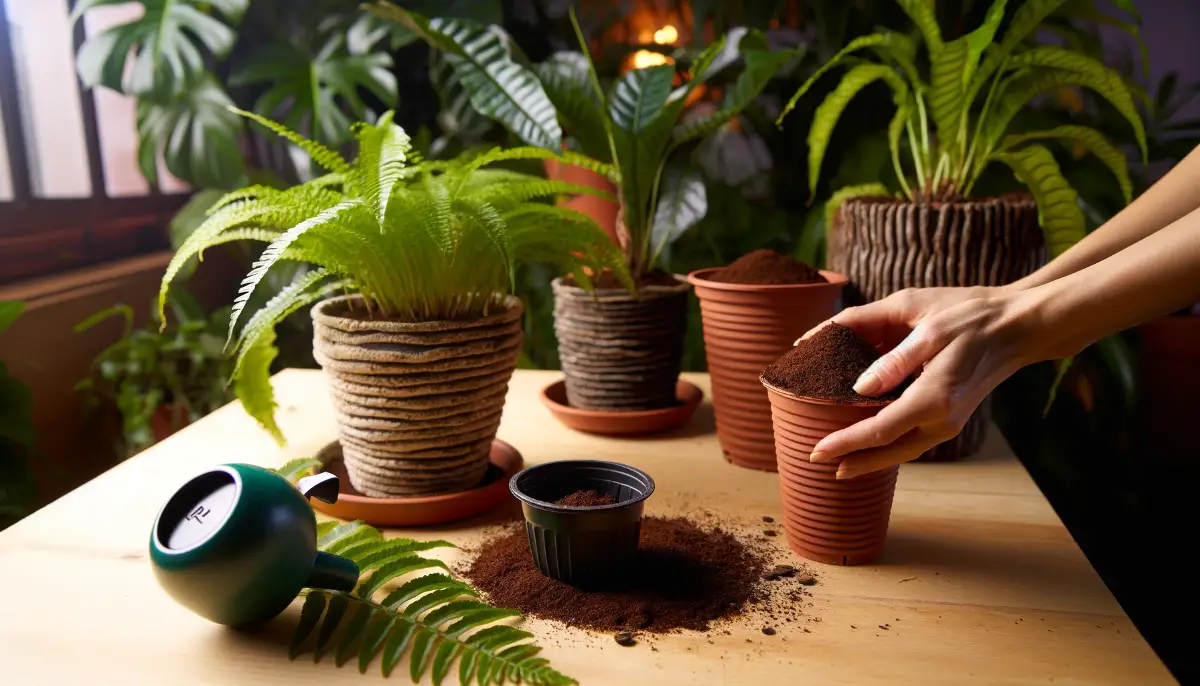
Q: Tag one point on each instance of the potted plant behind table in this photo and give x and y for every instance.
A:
(415, 327)
(952, 122)
(620, 350)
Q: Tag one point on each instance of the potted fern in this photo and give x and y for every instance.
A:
(621, 350)
(414, 324)
(952, 122)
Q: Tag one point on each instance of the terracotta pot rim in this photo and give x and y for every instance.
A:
(819, 401)
(699, 278)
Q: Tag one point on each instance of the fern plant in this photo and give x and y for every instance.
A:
(435, 619)
(418, 240)
(955, 116)
(638, 126)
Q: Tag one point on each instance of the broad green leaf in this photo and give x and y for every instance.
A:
(1059, 215)
(564, 75)
(499, 87)
(1061, 367)
(1122, 361)
(889, 44)
(828, 113)
(923, 14)
(951, 75)
(1029, 15)
(320, 91)
(310, 614)
(252, 384)
(841, 195)
(682, 202)
(1089, 11)
(169, 43)
(1107, 82)
(296, 469)
(639, 97)
(9, 311)
(760, 67)
(195, 134)
(1093, 140)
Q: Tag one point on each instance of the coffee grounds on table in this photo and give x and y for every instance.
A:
(767, 267)
(585, 499)
(825, 366)
(685, 576)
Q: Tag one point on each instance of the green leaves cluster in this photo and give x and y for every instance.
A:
(17, 436)
(418, 240)
(406, 604)
(954, 115)
(174, 59)
(637, 126)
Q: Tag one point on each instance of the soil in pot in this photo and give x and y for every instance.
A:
(621, 351)
(418, 403)
(753, 310)
(767, 267)
(690, 574)
(811, 388)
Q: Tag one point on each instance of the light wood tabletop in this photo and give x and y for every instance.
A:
(979, 582)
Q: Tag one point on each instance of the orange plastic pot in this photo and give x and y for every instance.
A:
(746, 328)
(826, 519)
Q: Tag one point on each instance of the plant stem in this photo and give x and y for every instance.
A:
(942, 166)
(970, 171)
(900, 173)
(924, 127)
(912, 140)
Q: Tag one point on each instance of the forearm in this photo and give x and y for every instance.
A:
(1151, 278)
(1173, 197)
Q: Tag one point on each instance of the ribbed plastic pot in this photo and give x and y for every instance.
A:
(582, 546)
(620, 352)
(417, 404)
(746, 328)
(828, 520)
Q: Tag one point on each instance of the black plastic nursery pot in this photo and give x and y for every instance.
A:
(582, 546)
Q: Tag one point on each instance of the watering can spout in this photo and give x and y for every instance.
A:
(323, 486)
(333, 572)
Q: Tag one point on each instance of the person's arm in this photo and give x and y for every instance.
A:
(966, 350)
(1169, 199)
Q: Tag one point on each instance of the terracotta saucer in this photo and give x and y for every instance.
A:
(632, 423)
(421, 510)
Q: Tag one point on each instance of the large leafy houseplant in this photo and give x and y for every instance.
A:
(427, 243)
(637, 126)
(159, 379)
(17, 436)
(432, 617)
(953, 119)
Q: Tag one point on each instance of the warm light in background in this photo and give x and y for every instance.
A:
(666, 35)
(649, 58)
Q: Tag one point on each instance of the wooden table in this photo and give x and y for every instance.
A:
(980, 582)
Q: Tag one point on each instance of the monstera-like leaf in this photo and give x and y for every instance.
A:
(169, 42)
(305, 89)
(195, 133)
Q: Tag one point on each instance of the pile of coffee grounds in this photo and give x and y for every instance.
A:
(585, 499)
(825, 366)
(685, 577)
(767, 267)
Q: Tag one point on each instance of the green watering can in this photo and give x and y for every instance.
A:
(237, 543)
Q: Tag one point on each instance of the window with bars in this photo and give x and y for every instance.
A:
(71, 194)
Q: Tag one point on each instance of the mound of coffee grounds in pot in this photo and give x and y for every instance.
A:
(585, 499)
(767, 267)
(685, 577)
(826, 366)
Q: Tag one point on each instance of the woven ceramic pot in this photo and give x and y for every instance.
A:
(884, 245)
(746, 328)
(417, 404)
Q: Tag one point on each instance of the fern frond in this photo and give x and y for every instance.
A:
(294, 470)
(320, 154)
(293, 297)
(517, 191)
(382, 154)
(252, 385)
(275, 250)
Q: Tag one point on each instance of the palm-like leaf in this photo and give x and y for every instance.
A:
(682, 202)
(1091, 139)
(1058, 203)
(923, 14)
(195, 133)
(564, 75)
(761, 66)
(951, 75)
(436, 619)
(169, 42)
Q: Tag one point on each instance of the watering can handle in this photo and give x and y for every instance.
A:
(329, 571)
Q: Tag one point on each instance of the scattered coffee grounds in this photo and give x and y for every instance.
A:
(768, 532)
(685, 577)
(585, 499)
(767, 267)
(806, 579)
(780, 572)
(625, 639)
(825, 366)
(768, 520)
(770, 631)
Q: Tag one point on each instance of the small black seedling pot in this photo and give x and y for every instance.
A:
(582, 546)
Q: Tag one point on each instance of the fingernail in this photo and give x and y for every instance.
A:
(817, 456)
(843, 474)
(868, 383)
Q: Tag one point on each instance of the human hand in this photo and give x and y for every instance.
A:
(961, 343)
